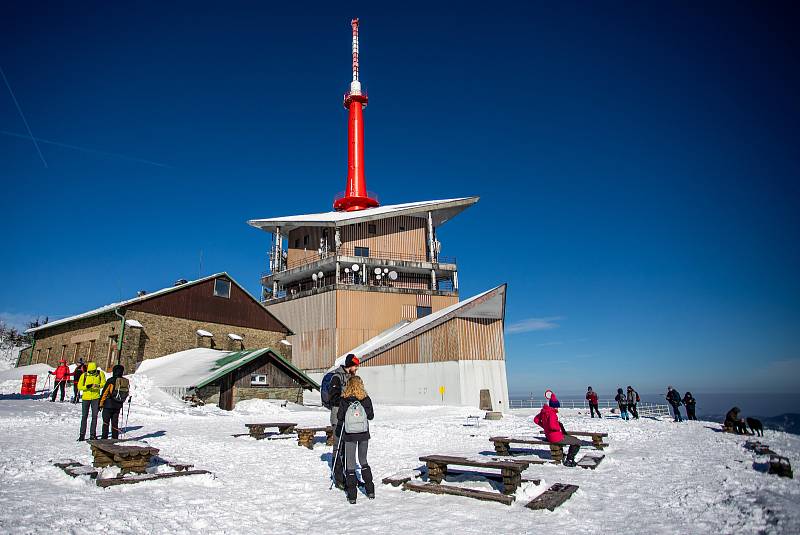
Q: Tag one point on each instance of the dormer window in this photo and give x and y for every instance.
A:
(222, 288)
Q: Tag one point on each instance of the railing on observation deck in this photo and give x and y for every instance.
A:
(645, 408)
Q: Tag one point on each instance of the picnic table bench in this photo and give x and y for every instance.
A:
(510, 471)
(257, 430)
(305, 435)
(130, 458)
(502, 445)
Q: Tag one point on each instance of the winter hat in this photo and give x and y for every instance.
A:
(619, 391)
(351, 360)
(91, 367)
(590, 388)
(118, 370)
(62, 361)
(548, 394)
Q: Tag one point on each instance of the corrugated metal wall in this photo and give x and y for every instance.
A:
(313, 320)
(456, 339)
(388, 237)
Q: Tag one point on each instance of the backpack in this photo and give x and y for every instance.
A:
(325, 386)
(355, 419)
(638, 399)
(121, 389)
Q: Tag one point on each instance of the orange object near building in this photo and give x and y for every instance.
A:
(28, 385)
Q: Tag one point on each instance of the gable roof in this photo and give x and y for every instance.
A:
(195, 368)
(122, 304)
(489, 304)
(443, 210)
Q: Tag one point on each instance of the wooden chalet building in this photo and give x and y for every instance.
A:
(212, 312)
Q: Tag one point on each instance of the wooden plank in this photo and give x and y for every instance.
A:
(524, 461)
(401, 477)
(587, 434)
(113, 481)
(434, 488)
(494, 477)
(463, 461)
(556, 495)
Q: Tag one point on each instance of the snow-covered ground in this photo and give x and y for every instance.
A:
(658, 476)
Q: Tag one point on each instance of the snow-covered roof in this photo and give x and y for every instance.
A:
(198, 367)
(489, 304)
(133, 323)
(442, 210)
(204, 333)
(234, 336)
(122, 304)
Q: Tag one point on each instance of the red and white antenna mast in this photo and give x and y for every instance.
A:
(356, 196)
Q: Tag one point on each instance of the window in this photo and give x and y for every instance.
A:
(297, 243)
(423, 311)
(258, 379)
(222, 288)
(305, 240)
(402, 228)
(362, 251)
(371, 229)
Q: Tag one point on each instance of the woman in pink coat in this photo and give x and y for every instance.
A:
(554, 432)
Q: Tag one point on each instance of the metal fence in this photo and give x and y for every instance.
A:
(645, 408)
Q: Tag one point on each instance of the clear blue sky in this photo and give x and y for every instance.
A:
(637, 164)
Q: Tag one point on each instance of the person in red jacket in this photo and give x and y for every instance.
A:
(62, 376)
(554, 432)
(591, 397)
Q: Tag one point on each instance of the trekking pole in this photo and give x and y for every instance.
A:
(127, 415)
(333, 464)
(46, 390)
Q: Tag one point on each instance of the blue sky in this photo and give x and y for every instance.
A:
(637, 165)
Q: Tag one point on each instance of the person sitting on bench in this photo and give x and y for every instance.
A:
(554, 432)
(735, 422)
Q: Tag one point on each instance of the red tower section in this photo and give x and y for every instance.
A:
(356, 196)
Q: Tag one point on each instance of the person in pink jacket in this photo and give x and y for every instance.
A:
(554, 432)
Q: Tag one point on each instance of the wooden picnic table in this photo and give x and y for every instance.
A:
(305, 435)
(130, 458)
(257, 430)
(511, 471)
(502, 445)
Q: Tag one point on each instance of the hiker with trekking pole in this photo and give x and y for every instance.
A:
(355, 412)
(112, 400)
(62, 375)
(331, 392)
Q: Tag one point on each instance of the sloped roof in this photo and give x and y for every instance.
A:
(443, 210)
(122, 304)
(489, 304)
(195, 368)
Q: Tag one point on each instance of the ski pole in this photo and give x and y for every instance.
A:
(338, 449)
(127, 415)
(46, 390)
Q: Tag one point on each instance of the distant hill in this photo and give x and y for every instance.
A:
(789, 422)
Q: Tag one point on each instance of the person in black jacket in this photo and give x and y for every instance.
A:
(80, 369)
(689, 402)
(111, 407)
(674, 399)
(341, 376)
(352, 395)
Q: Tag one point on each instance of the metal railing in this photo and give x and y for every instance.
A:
(645, 408)
(349, 250)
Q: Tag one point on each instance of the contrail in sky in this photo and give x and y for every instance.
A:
(24, 120)
(83, 149)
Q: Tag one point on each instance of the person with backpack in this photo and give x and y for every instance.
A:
(674, 399)
(112, 399)
(622, 403)
(80, 369)
(591, 397)
(689, 402)
(90, 385)
(633, 400)
(61, 377)
(355, 412)
(331, 389)
(554, 433)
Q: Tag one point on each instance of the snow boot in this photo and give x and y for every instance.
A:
(350, 481)
(369, 486)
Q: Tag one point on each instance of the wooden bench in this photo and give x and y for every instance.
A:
(438, 488)
(114, 452)
(597, 438)
(305, 435)
(502, 445)
(257, 430)
(552, 497)
(510, 471)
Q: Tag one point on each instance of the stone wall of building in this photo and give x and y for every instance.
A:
(210, 393)
(90, 339)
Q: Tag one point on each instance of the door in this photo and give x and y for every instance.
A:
(226, 393)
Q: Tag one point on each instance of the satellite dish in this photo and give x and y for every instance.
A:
(347, 270)
(314, 276)
(355, 267)
(385, 270)
(377, 271)
(378, 277)
(320, 275)
(393, 275)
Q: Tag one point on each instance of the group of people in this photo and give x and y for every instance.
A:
(95, 393)
(675, 401)
(626, 401)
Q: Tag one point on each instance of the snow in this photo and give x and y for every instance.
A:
(133, 323)
(11, 380)
(657, 477)
(184, 368)
(204, 333)
(233, 336)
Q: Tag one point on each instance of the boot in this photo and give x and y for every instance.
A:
(369, 486)
(350, 485)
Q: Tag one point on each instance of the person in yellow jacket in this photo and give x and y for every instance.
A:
(91, 385)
